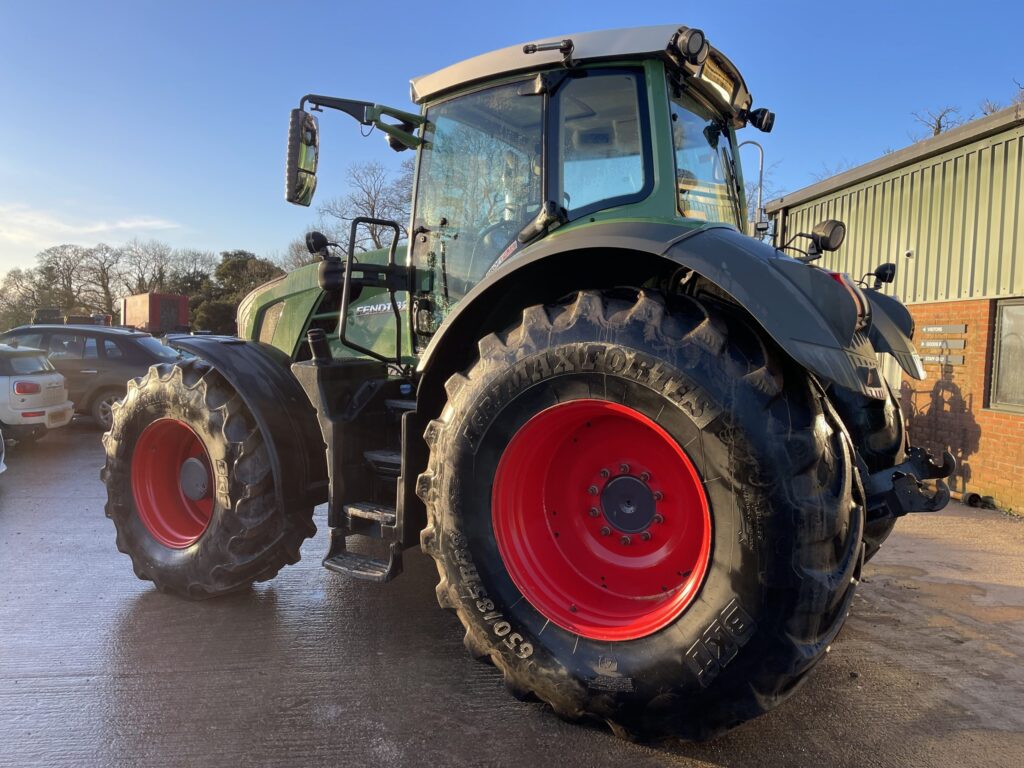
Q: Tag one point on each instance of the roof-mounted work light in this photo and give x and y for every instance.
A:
(692, 46)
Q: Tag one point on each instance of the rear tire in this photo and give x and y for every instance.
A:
(771, 462)
(190, 488)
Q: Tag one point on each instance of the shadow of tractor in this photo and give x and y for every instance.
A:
(943, 419)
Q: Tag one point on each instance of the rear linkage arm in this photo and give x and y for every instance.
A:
(895, 491)
(400, 135)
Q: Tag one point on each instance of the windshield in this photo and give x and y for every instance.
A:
(705, 183)
(154, 347)
(30, 364)
(479, 184)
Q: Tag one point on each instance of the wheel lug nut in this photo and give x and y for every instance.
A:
(624, 468)
(658, 496)
(625, 540)
(646, 535)
(604, 473)
(658, 519)
(593, 512)
(606, 531)
(645, 476)
(592, 490)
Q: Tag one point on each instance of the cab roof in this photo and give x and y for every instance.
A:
(637, 42)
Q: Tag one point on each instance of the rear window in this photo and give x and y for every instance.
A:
(34, 340)
(157, 349)
(25, 365)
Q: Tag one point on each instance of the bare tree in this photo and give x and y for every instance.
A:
(375, 192)
(939, 120)
(59, 268)
(1018, 99)
(146, 266)
(989, 106)
(828, 171)
(295, 256)
(21, 292)
(101, 277)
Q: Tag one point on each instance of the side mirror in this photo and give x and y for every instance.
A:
(303, 150)
(828, 235)
(884, 273)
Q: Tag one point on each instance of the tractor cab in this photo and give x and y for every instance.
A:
(534, 140)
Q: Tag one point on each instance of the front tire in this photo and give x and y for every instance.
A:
(190, 488)
(765, 532)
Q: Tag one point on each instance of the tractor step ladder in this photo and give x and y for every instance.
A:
(361, 566)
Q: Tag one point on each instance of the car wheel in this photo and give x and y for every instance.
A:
(102, 407)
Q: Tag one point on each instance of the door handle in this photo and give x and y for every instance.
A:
(91, 370)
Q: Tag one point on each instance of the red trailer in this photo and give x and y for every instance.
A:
(155, 312)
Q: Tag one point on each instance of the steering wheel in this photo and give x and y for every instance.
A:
(487, 239)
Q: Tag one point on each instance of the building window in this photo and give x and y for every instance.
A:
(1008, 358)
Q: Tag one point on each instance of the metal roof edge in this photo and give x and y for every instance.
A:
(964, 134)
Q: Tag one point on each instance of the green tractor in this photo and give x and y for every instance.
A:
(648, 452)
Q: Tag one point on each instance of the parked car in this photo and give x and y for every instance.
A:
(33, 395)
(97, 362)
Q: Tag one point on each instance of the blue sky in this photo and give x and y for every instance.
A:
(168, 120)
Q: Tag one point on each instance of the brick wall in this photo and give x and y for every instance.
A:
(948, 409)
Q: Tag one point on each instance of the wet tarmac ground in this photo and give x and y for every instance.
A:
(96, 668)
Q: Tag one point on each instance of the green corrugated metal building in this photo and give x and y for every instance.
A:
(956, 203)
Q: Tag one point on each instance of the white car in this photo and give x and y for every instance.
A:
(33, 396)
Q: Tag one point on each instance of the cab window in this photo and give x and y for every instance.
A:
(600, 142)
(705, 185)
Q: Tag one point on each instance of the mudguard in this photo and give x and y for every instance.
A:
(262, 377)
(806, 312)
(892, 328)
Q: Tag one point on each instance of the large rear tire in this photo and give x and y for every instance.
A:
(595, 422)
(190, 488)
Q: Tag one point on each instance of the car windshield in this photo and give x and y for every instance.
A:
(157, 349)
(705, 184)
(26, 365)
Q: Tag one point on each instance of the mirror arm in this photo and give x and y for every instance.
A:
(356, 109)
(368, 113)
(401, 132)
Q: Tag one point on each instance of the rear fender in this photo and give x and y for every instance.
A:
(892, 328)
(802, 308)
(262, 377)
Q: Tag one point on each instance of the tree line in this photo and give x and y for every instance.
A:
(86, 280)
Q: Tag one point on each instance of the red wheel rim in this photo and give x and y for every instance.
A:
(172, 498)
(601, 520)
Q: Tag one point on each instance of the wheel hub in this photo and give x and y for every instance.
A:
(628, 504)
(194, 479)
